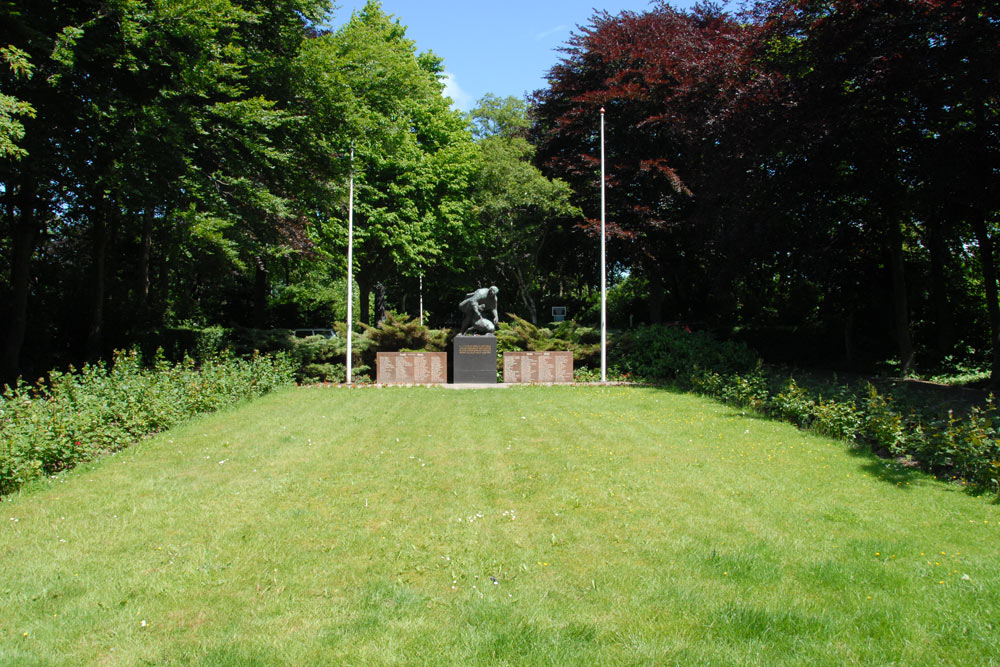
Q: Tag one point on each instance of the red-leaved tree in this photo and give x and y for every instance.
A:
(672, 84)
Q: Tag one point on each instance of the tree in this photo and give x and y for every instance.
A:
(669, 81)
(151, 115)
(414, 155)
(883, 97)
(12, 130)
(517, 209)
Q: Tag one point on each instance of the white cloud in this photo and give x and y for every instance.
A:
(461, 99)
(548, 33)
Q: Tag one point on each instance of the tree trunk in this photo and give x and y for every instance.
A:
(525, 294)
(987, 259)
(161, 298)
(977, 217)
(260, 294)
(380, 307)
(849, 355)
(95, 331)
(142, 290)
(900, 304)
(24, 237)
(364, 298)
(943, 322)
(655, 296)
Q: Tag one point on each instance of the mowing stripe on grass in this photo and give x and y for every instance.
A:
(537, 525)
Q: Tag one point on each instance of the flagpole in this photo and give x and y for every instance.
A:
(350, 268)
(604, 276)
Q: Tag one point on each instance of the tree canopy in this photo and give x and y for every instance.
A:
(818, 177)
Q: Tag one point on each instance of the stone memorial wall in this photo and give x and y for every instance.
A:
(527, 367)
(412, 367)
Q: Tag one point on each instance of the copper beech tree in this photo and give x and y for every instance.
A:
(671, 83)
(828, 167)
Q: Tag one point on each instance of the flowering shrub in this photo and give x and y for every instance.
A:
(587, 374)
(71, 417)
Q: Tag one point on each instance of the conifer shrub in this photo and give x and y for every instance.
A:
(518, 334)
(404, 333)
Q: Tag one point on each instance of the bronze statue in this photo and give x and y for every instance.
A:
(474, 318)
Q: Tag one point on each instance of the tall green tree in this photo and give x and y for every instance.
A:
(520, 215)
(154, 120)
(414, 155)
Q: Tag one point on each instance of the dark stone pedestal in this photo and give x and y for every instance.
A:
(475, 359)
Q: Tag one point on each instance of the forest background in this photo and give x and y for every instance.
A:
(816, 178)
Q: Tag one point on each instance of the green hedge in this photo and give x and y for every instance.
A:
(675, 353)
(72, 417)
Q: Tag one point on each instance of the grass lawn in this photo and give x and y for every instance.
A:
(532, 525)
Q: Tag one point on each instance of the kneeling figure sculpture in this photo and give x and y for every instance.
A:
(475, 307)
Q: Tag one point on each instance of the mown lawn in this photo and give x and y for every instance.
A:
(535, 525)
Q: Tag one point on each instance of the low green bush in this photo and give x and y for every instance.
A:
(674, 353)
(71, 417)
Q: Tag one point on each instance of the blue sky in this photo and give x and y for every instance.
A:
(504, 47)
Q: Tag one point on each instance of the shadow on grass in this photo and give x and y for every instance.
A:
(901, 475)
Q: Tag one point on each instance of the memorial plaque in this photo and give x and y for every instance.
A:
(475, 359)
(412, 367)
(528, 367)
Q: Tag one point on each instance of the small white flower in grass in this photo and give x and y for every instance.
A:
(143, 623)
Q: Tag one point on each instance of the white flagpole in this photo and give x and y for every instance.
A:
(604, 272)
(350, 268)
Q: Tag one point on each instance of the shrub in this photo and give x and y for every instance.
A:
(883, 427)
(741, 391)
(71, 417)
(677, 354)
(519, 334)
(587, 374)
(838, 419)
(793, 404)
(401, 332)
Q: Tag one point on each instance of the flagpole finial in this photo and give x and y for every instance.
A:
(602, 110)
